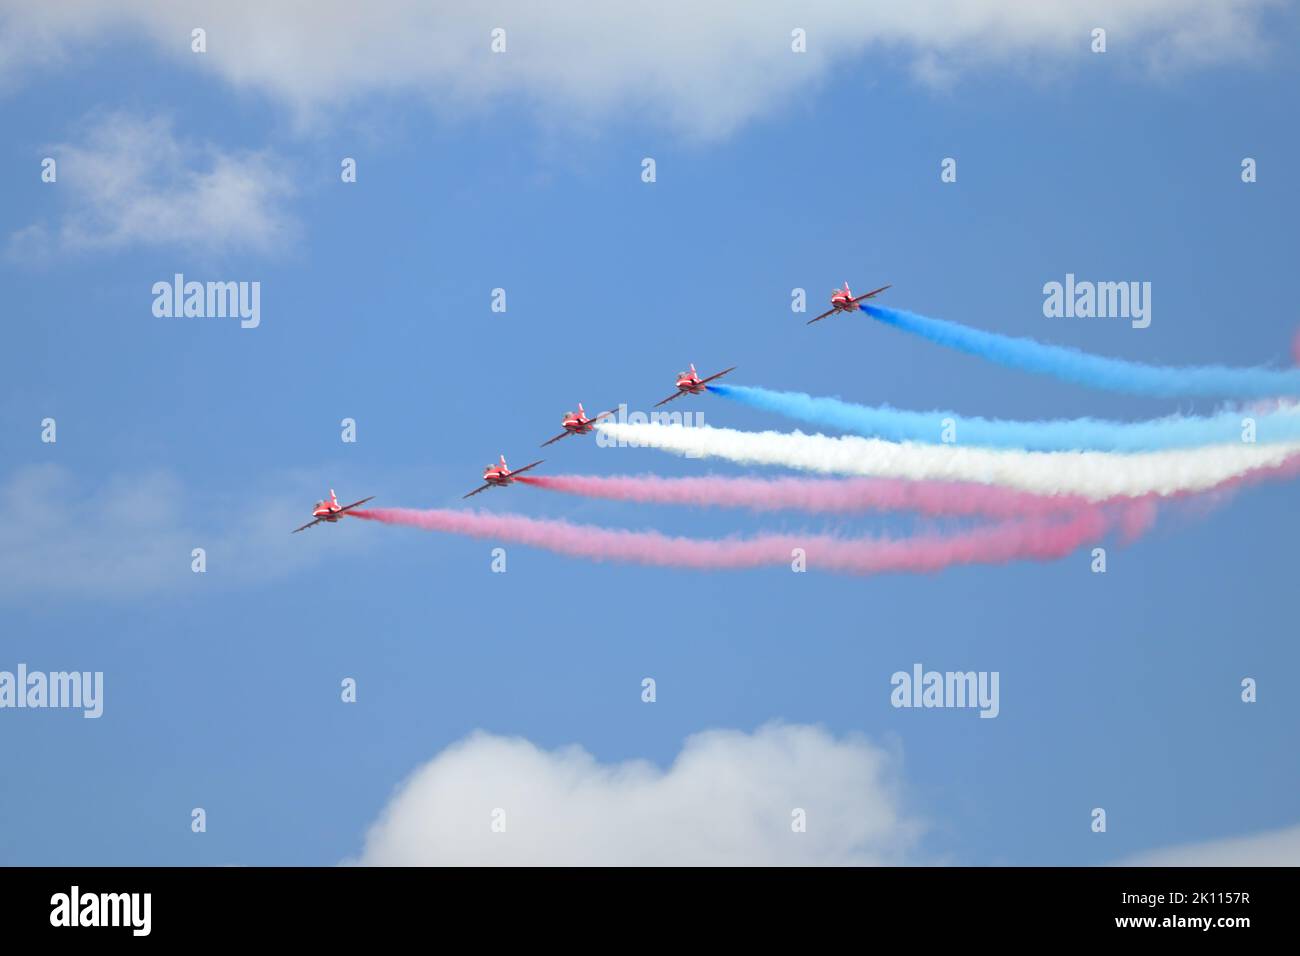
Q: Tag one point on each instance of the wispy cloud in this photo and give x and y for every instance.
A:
(130, 180)
(730, 798)
(703, 68)
(1273, 848)
(133, 536)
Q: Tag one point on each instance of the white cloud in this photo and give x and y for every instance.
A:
(726, 800)
(132, 536)
(131, 180)
(1274, 848)
(700, 67)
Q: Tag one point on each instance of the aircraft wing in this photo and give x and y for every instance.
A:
(306, 526)
(679, 394)
(602, 415)
(822, 316)
(704, 381)
(519, 471)
(476, 491)
(355, 503)
(555, 439)
(871, 293)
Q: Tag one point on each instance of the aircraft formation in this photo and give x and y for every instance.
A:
(689, 382)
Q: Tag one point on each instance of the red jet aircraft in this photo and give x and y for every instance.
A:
(843, 300)
(690, 383)
(329, 511)
(576, 423)
(500, 475)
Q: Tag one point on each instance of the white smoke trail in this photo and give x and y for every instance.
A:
(1094, 475)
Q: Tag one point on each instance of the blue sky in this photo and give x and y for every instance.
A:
(222, 689)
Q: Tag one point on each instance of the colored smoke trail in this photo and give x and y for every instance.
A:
(816, 495)
(1093, 475)
(1062, 435)
(995, 544)
(937, 499)
(1072, 365)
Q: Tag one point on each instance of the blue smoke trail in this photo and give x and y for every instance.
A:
(1079, 434)
(1096, 371)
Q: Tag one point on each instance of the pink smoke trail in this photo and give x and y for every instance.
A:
(996, 544)
(846, 495)
(1202, 503)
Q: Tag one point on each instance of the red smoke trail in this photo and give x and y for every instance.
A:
(997, 544)
(845, 495)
